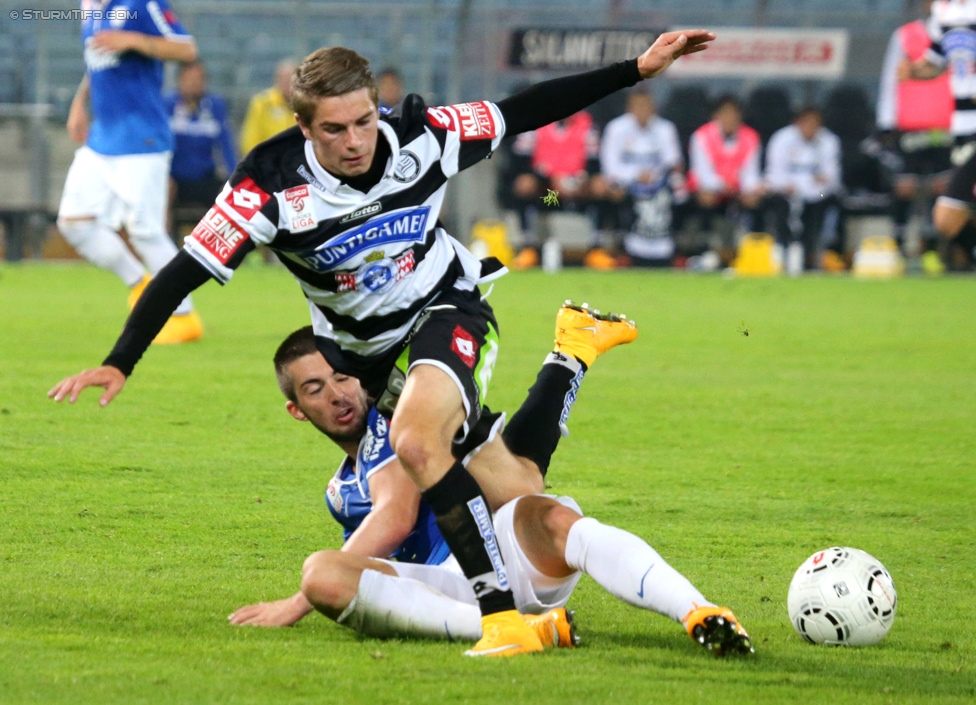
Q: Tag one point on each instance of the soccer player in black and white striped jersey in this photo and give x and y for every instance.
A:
(349, 202)
(952, 29)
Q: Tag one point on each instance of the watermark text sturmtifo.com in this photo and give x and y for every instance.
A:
(119, 14)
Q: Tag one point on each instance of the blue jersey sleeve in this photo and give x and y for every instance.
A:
(159, 20)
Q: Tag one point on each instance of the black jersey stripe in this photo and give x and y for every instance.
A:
(370, 327)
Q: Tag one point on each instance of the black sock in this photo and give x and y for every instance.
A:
(966, 240)
(534, 430)
(464, 519)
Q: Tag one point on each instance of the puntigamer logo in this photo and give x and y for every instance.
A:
(405, 225)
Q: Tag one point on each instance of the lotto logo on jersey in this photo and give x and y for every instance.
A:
(439, 117)
(219, 235)
(404, 225)
(477, 122)
(247, 198)
(464, 346)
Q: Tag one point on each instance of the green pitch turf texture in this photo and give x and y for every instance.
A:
(844, 417)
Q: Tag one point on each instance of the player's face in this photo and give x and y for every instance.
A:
(729, 118)
(808, 125)
(343, 132)
(193, 83)
(335, 404)
(641, 107)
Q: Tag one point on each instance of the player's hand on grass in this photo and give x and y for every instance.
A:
(669, 46)
(108, 377)
(280, 613)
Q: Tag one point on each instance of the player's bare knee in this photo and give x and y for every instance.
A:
(949, 221)
(323, 579)
(420, 452)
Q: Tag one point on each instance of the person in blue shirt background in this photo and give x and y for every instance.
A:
(119, 176)
(198, 120)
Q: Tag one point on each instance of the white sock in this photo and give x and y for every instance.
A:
(156, 248)
(387, 606)
(103, 247)
(629, 569)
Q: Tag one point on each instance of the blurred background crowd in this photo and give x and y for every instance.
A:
(795, 125)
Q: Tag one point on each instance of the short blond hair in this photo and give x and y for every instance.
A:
(328, 72)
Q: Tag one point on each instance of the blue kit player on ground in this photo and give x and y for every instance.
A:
(394, 575)
(119, 178)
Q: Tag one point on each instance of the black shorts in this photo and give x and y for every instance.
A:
(457, 333)
(925, 161)
(962, 185)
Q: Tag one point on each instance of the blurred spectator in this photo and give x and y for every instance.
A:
(199, 123)
(390, 88)
(803, 176)
(269, 112)
(914, 118)
(724, 174)
(641, 161)
(562, 157)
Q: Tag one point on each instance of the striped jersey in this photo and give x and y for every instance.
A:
(952, 29)
(368, 263)
(349, 500)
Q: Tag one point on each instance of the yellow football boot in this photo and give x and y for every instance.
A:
(555, 627)
(180, 329)
(718, 630)
(136, 291)
(586, 334)
(505, 634)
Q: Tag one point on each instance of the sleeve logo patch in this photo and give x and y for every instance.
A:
(439, 117)
(477, 122)
(219, 235)
(247, 198)
(464, 346)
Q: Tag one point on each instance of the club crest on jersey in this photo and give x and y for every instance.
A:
(407, 167)
(403, 225)
(299, 209)
(378, 274)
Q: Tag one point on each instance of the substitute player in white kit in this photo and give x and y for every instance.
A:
(119, 177)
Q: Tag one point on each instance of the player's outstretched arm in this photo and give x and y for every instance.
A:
(669, 47)
(559, 98)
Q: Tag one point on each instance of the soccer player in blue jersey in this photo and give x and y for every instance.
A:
(201, 131)
(546, 542)
(120, 176)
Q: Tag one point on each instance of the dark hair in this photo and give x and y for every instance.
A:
(808, 111)
(328, 72)
(727, 99)
(296, 345)
(186, 66)
(390, 71)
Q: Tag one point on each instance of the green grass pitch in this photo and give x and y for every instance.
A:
(844, 417)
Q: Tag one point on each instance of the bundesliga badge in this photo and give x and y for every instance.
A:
(299, 203)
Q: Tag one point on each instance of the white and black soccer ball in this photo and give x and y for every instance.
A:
(842, 596)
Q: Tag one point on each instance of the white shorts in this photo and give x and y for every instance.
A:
(130, 190)
(534, 592)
